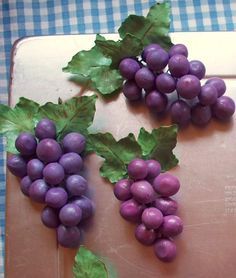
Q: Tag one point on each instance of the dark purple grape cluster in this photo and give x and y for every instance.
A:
(50, 174)
(145, 198)
(170, 82)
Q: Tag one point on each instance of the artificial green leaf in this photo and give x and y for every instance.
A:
(146, 141)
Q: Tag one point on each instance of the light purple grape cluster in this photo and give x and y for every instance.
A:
(50, 174)
(170, 82)
(145, 198)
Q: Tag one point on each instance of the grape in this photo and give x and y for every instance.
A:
(53, 173)
(142, 192)
(49, 217)
(145, 236)
(26, 143)
(165, 250)
(208, 95)
(148, 49)
(128, 67)
(131, 210)
(152, 218)
(131, 90)
(137, 169)
(165, 83)
(180, 112)
(56, 197)
(68, 237)
(76, 185)
(156, 101)
(45, 129)
(166, 205)
(70, 215)
(122, 190)
(35, 169)
(197, 68)
(145, 78)
(85, 204)
(166, 184)
(178, 49)
(153, 167)
(25, 184)
(201, 115)
(224, 108)
(74, 142)
(188, 86)
(219, 84)
(157, 60)
(48, 150)
(38, 190)
(172, 226)
(178, 65)
(71, 162)
(16, 165)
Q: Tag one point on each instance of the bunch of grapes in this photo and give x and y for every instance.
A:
(50, 174)
(169, 81)
(146, 201)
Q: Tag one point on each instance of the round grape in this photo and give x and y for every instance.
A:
(142, 192)
(165, 250)
(145, 236)
(145, 78)
(35, 169)
(197, 68)
(152, 218)
(48, 150)
(178, 49)
(74, 142)
(71, 162)
(208, 95)
(49, 217)
(131, 210)
(70, 215)
(224, 108)
(85, 204)
(25, 184)
(178, 65)
(180, 112)
(166, 184)
(16, 165)
(45, 129)
(38, 190)
(68, 237)
(156, 101)
(153, 167)
(53, 173)
(200, 114)
(122, 190)
(219, 84)
(157, 60)
(131, 90)
(56, 197)
(149, 48)
(172, 226)
(26, 144)
(188, 86)
(137, 169)
(76, 185)
(128, 67)
(165, 83)
(166, 205)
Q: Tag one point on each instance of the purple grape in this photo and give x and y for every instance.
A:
(145, 78)
(35, 169)
(178, 65)
(166, 205)
(219, 84)
(71, 162)
(156, 101)
(25, 184)
(148, 49)
(153, 167)
(165, 83)
(85, 204)
(56, 197)
(26, 144)
(45, 129)
(70, 215)
(180, 112)
(145, 236)
(200, 114)
(74, 142)
(53, 173)
(137, 169)
(208, 95)
(224, 108)
(68, 237)
(188, 86)
(178, 49)
(172, 226)
(142, 192)
(76, 185)
(152, 218)
(131, 90)
(48, 150)
(128, 67)
(122, 190)
(38, 191)
(166, 184)
(157, 60)
(197, 68)
(131, 210)
(165, 250)
(49, 217)
(16, 165)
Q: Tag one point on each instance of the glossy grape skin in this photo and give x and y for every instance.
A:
(197, 68)
(38, 190)
(45, 129)
(68, 237)
(178, 65)
(49, 217)
(131, 90)
(148, 49)
(26, 144)
(53, 173)
(145, 236)
(25, 184)
(165, 83)
(48, 150)
(76, 185)
(178, 49)
(165, 250)
(188, 86)
(128, 67)
(200, 114)
(166, 184)
(35, 169)
(219, 84)
(172, 226)
(157, 59)
(152, 218)
(74, 142)
(17, 165)
(145, 78)
(131, 210)
(71, 162)
(153, 167)
(224, 108)
(85, 204)
(142, 191)
(122, 190)
(56, 197)
(180, 112)
(156, 101)
(70, 215)
(166, 205)
(137, 169)
(208, 95)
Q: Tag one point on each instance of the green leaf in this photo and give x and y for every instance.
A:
(88, 265)
(151, 29)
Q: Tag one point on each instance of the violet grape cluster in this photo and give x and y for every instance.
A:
(170, 82)
(50, 174)
(146, 200)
